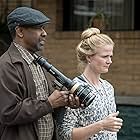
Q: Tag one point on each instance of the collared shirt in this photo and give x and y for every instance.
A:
(45, 123)
(102, 105)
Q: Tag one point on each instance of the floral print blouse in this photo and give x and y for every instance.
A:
(102, 105)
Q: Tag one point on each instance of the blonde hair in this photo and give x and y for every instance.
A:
(91, 39)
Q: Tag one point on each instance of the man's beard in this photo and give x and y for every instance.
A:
(39, 47)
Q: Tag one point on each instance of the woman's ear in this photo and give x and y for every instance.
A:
(88, 59)
(19, 31)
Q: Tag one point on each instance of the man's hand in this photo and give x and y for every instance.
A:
(74, 102)
(58, 98)
(64, 98)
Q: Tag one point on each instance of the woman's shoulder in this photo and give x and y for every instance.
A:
(106, 82)
(79, 79)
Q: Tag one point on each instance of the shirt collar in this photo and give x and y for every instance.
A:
(25, 54)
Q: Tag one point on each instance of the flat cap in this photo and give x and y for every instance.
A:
(26, 16)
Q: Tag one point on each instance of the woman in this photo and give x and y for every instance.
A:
(99, 120)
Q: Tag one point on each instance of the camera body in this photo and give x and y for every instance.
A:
(83, 92)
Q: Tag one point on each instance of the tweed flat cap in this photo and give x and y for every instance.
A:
(26, 16)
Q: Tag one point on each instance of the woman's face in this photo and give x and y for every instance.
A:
(100, 62)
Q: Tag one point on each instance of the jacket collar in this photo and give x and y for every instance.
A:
(14, 54)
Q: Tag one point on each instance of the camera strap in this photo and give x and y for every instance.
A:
(81, 78)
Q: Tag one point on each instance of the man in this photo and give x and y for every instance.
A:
(27, 98)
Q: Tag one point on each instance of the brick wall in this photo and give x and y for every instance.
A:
(60, 50)
(124, 73)
(6, 7)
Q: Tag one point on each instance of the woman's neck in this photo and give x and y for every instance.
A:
(92, 77)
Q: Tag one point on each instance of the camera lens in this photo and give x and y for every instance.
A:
(85, 95)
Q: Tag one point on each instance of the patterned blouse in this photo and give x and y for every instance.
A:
(102, 105)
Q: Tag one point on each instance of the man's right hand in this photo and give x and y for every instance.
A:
(58, 98)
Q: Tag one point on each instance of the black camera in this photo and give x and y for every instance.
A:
(83, 92)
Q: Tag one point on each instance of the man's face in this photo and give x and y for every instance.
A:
(34, 38)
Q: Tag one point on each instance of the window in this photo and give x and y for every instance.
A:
(117, 14)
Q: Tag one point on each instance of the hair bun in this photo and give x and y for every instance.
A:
(89, 32)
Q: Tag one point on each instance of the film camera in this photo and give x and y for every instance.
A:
(83, 92)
